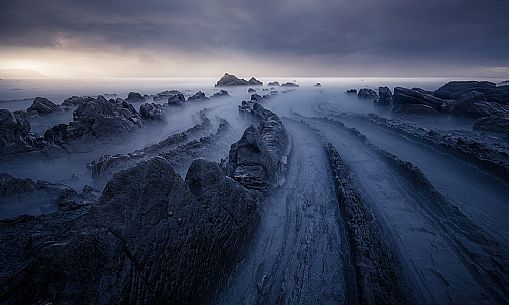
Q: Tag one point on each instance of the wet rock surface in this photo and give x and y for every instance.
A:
(150, 229)
(379, 277)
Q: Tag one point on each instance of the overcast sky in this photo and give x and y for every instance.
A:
(154, 38)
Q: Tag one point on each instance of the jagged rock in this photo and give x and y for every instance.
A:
(152, 238)
(107, 165)
(198, 96)
(254, 82)
(96, 119)
(479, 109)
(43, 106)
(152, 112)
(492, 93)
(495, 123)
(76, 100)
(351, 91)
(385, 97)
(25, 196)
(317, 85)
(231, 80)
(273, 84)
(15, 134)
(404, 96)
(289, 84)
(366, 93)
(251, 90)
(257, 159)
(135, 97)
(221, 93)
(173, 97)
(503, 83)
(250, 163)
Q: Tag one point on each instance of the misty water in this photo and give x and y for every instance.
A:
(297, 254)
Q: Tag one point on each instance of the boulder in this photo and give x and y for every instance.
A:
(351, 91)
(198, 96)
(254, 82)
(221, 93)
(273, 84)
(385, 97)
(231, 80)
(152, 112)
(404, 96)
(251, 90)
(43, 106)
(366, 93)
(289, 84)
(152, 238)
(317, 85)
(134, 97)
(494, 123)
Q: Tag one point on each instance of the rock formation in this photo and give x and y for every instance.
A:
(198, 96)
(229, 80)
(43, 106)
(134, 97)
(384, 97)
(221, 93)
(251, 90)
(273, 84)
(76, 100)
(317, 85)
(366, 93)
(495, 123)
(173, 97)
(289, 84)
(151, 238)
(412, 101)
(152, 112)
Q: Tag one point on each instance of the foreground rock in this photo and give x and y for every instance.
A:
(366, 93)
(379, 276)
(152, 112)
(494, 123)
(229, 80)
(257, 159)
(152, 238)
(43, 106)
(135, 97)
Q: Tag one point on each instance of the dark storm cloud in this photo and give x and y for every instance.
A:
(470, 32)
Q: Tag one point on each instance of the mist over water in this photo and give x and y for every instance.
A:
(305, 208)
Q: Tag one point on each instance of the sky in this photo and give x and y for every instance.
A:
(291, 38)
